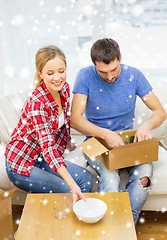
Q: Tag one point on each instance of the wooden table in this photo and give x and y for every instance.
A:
(38, 221)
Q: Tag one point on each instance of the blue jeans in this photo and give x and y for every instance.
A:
(43, 179)
(109, 181)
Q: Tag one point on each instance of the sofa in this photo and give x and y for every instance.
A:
(10, 107)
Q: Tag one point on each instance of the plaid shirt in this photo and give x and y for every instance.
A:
(37, 131)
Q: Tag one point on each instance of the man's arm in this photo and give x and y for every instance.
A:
(157, 118)
(87, 128)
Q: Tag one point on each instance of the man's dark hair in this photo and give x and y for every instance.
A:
(105, 50)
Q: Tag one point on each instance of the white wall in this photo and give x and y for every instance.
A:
(25, 26)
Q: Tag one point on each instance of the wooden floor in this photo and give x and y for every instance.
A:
(151, 225)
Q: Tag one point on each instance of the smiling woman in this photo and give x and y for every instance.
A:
(53, 74)
(54, 64)
(34, 159)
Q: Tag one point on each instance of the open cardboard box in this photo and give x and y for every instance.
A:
(123, 156)
(6, 221)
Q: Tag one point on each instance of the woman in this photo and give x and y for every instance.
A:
(34, 159)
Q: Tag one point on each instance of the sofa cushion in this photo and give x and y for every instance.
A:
(5, 183)
(76, 156)
(142, 113)
(159, 174)
(10, 107)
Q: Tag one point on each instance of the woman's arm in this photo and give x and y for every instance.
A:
(76, 191)
(46, 138)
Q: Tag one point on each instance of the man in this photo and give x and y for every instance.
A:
(107, 93)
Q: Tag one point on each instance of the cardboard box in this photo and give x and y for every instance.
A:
(127, 155)
(6, 221)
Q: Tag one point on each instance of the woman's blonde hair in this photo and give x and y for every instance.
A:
(42, 57)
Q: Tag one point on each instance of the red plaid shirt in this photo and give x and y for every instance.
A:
(37, 131)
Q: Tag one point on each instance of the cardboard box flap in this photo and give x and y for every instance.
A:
(163, 143)
(6, 194)
(93, 147)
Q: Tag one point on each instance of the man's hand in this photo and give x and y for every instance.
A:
(143, 133)
(112, 139)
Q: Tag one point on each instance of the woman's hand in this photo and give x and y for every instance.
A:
(75, 189)
(77, 194)
(71, 146)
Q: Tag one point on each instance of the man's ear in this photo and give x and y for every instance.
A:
(120, 58)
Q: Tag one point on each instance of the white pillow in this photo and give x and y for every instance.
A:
(10, 107)
(5, 183)
(76, 156)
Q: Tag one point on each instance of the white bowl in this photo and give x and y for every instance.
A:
(90, 211)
